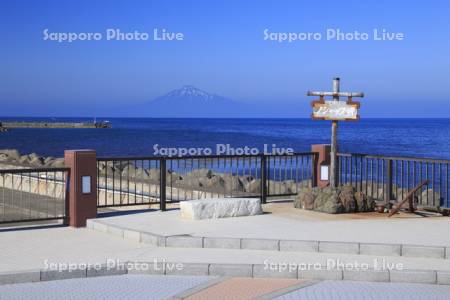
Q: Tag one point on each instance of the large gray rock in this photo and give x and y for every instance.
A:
(427, 197)
(106, 169)
(253, 186)
(200, 173)
(153, 174)
(129, 170)
(13, 157)
(216, 182)
(24, 160)
(220, 208)
(327, 200)
(57, 163)
(48, 160)
(233, 183)
(37, 161)
(173, 177)
(343, 199)
(9, 155)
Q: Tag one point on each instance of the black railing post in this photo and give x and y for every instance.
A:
(389, 182)
(66, 220)
(162, 184)
(314, 169)
(263, 179)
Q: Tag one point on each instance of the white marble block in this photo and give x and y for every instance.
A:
(220, 208)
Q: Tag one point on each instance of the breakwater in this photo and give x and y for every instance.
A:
(40, 124)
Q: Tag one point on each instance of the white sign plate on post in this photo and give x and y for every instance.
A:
(324, 170)
(335, 111)
(86, 184)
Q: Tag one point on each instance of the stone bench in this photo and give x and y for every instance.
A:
(220, 208)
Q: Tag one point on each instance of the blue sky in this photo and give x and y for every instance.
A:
(223, 52)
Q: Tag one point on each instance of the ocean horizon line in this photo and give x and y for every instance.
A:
(216, 118)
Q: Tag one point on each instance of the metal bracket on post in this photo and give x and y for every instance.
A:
(263, 179)
(162, 184)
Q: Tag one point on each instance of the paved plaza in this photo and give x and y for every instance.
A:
(33, 249)
(108, 287)
(349, 290)
(283, 221)
(203, 288)
(182, 270)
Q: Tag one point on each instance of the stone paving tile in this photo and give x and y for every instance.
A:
(111, 287)
(243, 288)
(29, 249)
(283, 226)
(207, 287)
(337, 290)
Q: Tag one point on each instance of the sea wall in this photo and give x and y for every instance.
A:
(24, 124)
(13, 158)
(125, 182)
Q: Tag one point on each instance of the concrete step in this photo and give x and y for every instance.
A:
(57, 258)
(253, 264)
(297, 265)
(282, 245)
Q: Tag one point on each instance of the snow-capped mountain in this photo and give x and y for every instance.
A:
(190, 94)
(189, 101)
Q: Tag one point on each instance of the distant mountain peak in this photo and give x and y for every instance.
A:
(190, 91)
(190, 95)
(190, 101)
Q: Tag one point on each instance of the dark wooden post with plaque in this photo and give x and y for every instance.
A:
(335, 110)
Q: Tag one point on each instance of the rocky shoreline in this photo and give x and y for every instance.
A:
(345, 199)
(201, 179)
(12, 157)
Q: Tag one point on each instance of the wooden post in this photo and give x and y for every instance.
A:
(335, 111)
(321, 157)
(83, 186)
(333, 154)
(334, 125)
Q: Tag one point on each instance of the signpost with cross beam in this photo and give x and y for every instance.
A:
(335, 110)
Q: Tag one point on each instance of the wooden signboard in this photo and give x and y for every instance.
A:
(335, 110)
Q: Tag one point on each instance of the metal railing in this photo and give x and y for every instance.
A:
(144, 180)
(41, 194)
(28, 195)
(123, 181)
(390, 178)
(287, 174)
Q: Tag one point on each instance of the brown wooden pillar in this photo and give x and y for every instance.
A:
(83, 185)
(323, 162)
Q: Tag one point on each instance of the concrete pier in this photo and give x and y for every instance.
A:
(25, 124)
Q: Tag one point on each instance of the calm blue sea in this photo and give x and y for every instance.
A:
(407, 137)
